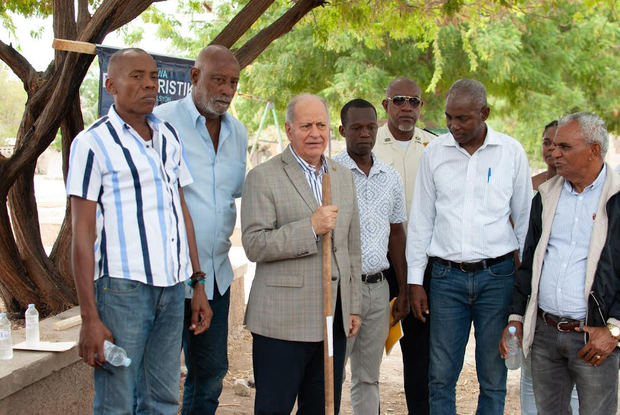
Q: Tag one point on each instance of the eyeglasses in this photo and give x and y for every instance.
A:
(399, 101)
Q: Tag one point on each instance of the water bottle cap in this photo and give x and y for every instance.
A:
(2, 315)
(127, 362)
(30, 305)
(512, 329)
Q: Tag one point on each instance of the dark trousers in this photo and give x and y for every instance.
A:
(206, 357)
(288, 370)
(415, 350)
(556, 368)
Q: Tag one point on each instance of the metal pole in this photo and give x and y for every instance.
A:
(277, 124)
(260, 128)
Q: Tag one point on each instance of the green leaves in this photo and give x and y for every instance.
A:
(538, 59)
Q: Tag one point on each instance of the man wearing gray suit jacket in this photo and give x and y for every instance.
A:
(283, 224)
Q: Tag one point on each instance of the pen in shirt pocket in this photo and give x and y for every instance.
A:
(489, 175)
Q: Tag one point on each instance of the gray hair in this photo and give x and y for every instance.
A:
(592, 128)
(470, 88)
(290, 108)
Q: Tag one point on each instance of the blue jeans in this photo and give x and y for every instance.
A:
(456, 299)
(146, 321)
(206, 358)
(556, 368)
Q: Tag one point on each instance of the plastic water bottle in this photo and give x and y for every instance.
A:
(514, 349)
(32, 326)
(114, 355)
(6, 346)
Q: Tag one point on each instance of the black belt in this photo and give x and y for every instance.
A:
(560, 323)
(372, 278)
(474, 266)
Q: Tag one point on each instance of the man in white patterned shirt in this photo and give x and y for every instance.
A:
(471, 182)
(381, 202)
(133, 236)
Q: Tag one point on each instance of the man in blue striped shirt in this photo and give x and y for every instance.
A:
(133, 236)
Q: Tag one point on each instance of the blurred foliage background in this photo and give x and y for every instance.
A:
(538, 59)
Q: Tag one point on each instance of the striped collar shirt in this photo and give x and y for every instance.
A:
(315, 181)
(140, 232)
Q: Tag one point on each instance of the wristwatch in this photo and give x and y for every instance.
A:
(614, 330)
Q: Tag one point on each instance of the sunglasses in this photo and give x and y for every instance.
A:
(399, 101)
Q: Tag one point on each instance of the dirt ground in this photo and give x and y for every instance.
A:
(391, 383)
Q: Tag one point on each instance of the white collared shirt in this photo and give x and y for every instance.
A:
(139, 222)
(462, 203)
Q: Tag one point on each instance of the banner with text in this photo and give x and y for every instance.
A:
(174, 82)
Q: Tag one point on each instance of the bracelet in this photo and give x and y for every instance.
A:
(197, 277)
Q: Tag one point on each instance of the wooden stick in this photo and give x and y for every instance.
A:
(74, 46)
(328, 318)
(67, 323)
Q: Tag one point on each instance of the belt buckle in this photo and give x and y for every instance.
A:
(461, 267)
(557, 326)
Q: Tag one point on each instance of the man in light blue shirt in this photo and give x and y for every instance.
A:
(215, 144)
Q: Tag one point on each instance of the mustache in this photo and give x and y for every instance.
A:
(223, 99)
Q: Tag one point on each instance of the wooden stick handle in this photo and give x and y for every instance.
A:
(328, 318)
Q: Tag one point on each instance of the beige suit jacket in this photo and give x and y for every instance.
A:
(286, 299)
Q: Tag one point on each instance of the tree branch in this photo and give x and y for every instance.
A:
(64, 26)
(83, 15)
(111, 15)
(64, 19)
(255, 46)
(241, 22)
(18, 64)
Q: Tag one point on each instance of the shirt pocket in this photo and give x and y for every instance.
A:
(497, 194)
(231, 175)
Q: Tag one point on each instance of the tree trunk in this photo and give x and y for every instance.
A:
(15, 289)
(40, 270)
(61, 251)
(72, 124)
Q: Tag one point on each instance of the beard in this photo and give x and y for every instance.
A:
(209, 106)
(406, 127)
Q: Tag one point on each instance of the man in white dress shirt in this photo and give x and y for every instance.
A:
(471, 182)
